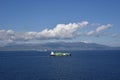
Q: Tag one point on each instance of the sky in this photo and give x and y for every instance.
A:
(38, 21)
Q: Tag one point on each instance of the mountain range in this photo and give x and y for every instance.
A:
(57, 46)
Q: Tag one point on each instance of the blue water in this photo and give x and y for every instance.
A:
(82, 65)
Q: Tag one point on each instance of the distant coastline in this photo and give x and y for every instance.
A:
(59, 46)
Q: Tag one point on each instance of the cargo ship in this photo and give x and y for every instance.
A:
(59, 54)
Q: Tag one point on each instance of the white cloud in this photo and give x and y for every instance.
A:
(6, 36)
(103, 27)
(61, 31)
(91, 33)
(115, 35)
(99, 29)
(10, 32)
(2, 34)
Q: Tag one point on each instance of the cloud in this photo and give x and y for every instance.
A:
(91, 33)
(2, 34)
(115, 35)
(103, 27)
(6, 36)
(99, 30)
(10, 32)
(61, 31)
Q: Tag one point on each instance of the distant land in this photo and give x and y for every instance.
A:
(57, 46)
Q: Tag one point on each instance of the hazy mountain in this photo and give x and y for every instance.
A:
(58, 46)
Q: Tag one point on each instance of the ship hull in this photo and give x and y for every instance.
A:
(59, 54)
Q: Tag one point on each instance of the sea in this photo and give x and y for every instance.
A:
(39, 65)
